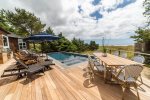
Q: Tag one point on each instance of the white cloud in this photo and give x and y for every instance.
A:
(63, 16)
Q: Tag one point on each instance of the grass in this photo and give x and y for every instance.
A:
(130, 54)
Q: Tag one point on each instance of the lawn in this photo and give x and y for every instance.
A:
(128, 49)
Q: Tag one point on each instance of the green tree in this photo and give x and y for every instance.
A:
(147, 10)
(81, 46)
(50, 31)
(142, 35)
(93, 45)
(21, 21)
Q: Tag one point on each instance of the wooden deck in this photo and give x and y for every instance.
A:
(66, 84)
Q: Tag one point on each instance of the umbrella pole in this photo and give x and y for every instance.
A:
(34, 45)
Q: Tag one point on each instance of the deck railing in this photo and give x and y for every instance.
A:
(131, 54)
(5, 50)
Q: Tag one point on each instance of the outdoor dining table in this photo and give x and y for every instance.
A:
(113, 62)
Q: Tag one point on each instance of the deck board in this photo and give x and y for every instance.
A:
(66, 84)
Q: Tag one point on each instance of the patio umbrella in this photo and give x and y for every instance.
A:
(41, 38)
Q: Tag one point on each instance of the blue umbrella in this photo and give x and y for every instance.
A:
(41, 38)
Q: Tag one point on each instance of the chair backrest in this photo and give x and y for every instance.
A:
(116, 53)
(139, 59)
(20, 62)
(91, 64)
(123, 55)
(132, 71)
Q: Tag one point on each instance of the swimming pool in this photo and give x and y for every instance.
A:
(67, 58)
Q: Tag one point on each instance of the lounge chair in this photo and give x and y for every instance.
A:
(127, 76)
(30, 69)
(13, 70)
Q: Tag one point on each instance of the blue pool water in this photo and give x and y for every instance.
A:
(68, 58)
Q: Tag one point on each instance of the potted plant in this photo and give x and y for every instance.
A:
(104, 49)
(104, 52)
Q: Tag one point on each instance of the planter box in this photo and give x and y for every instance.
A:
(4, 57)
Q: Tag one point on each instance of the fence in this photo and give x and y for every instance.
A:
(130, 54)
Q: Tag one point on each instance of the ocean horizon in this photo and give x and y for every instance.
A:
(113, 42)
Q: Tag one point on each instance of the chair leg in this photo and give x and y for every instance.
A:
(135, 86)
(124, 89)
(141, 79)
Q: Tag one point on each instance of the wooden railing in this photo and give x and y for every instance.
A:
(131, 54)
(2, 50)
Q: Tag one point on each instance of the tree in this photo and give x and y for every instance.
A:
(50, 31)
(81, 46)
(93, 45)
(22, 21)
(142, 35)
(147, 10)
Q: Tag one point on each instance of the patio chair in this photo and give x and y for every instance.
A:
(30, 69)
(123, 55)
(13, 70)
(92, 66)
(27, 60)
(128, 76)
(96, 60)
(116, 53)
(139, 59)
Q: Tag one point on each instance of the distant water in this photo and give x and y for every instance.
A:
(115, 42)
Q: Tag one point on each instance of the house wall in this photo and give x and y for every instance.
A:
(4, 56)
(142, 47)
(13, 43)
(1, 43)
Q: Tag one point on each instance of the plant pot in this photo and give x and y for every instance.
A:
(104, 55)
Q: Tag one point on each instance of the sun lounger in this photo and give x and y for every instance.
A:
(12, 70)
(30, 69)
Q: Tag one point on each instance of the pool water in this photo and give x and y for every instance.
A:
(68, 58)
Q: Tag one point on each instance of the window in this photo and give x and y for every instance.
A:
(22, 45)
(5, 42)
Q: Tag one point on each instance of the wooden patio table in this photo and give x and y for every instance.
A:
(113, 62)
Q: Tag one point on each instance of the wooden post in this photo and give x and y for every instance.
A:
(110, 51)
(119, 52)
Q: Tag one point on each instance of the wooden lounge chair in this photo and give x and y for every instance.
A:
(128, 76)
(13, 70)
(30, 69)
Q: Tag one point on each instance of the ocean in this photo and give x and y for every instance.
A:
(115, 42)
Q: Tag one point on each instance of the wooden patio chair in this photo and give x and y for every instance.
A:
(30, 69)
(92, 66)
(128, 76)
(96, 60)
(26, 60)
(123, 55)
(139, 59)
(116, 53)
(90, 69)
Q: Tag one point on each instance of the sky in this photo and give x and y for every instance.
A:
(86, 19)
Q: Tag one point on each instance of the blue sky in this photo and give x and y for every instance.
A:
(86, 19)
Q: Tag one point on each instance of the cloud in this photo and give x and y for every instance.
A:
(72, 17)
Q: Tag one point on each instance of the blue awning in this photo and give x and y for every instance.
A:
(41, 37)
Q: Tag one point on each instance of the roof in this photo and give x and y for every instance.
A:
(14, 35)
(4, 30)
